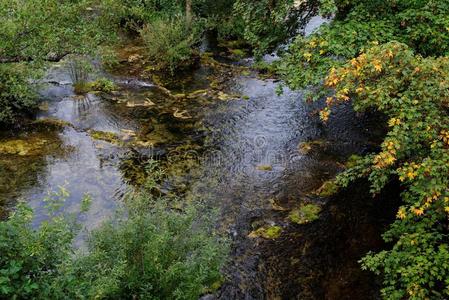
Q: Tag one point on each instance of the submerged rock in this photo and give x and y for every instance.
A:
(23, 147)
(109, 137)
(305, 147)
(51, 123)
(181, 114)
(328, 189)
(265, 168)
(305, 214)
(271, 232)
(146, 103)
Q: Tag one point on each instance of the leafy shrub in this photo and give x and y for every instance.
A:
(150, 251)
(406, 79)
(134, 14)
(360, 25)
(163, 254)
(169, 42)
(16, 96)
(30, 259)
(412, 91)
(267, 23)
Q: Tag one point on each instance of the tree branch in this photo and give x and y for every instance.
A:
(18, 59)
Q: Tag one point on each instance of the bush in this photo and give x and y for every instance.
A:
(30, 259)
(16, 96)
(391, 57)
(150, 251)
(412, 91)
(156, 254)
(169, 42)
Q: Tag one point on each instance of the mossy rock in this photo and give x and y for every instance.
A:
(25, 147)
(99, 85)
(328, 189)
(265, 168)
(306, 147)
(109, 137)
(238, 52)
(305, 214)
(51, 123)
(271, 232)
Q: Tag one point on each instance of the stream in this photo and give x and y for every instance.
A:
(240, 147)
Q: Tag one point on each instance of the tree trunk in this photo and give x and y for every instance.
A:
(189, 16)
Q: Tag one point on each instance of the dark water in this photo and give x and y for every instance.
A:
(244, 140)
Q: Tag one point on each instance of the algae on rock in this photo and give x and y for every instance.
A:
(270, 232)
(306, 213)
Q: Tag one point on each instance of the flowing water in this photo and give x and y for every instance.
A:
(245, 142)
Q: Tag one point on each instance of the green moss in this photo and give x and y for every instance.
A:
(264, 168)
(272, 232)
(99, 85)
(52, 123)
(328, 189)
(238, 52)
(109, 137)
(23, 147)
(233, 44)
(305, 214)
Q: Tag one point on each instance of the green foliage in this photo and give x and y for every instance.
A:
(134, 14)
(30, 258)
(406, 79)
(34, 31)
(169, 42)
(423, 25)
(417, 265)
(102, 85)
(150, 251)
(158, 255)
(267, 23)
(16, 96)
(413, 92)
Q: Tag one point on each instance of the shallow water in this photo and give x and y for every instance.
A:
(247, 163)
